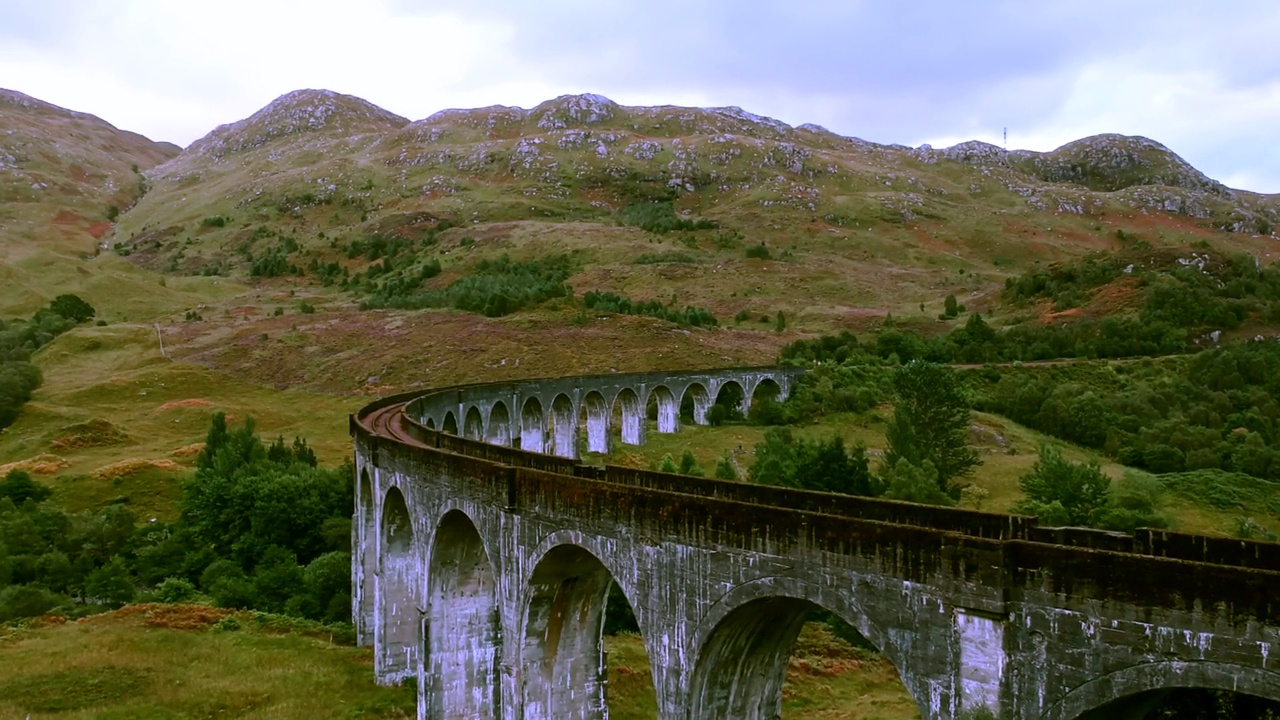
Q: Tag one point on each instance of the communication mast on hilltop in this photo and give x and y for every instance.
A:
(1006, 138)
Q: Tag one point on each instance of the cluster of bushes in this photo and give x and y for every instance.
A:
(494, 288)
(1218, 409)
(19, 378)
(607, 302)
(1191, 289)
(262, 527)
(660, 217)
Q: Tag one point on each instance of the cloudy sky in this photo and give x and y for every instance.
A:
(1201, 77)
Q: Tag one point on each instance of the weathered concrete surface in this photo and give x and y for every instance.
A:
(494, 591)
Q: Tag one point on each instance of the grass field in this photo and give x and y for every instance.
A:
(167, 662)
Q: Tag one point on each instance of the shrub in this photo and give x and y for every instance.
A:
(759, 252)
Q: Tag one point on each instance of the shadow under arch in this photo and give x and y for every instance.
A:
(498, 430)
(473, 424)
(449, 424)
(399, 602)
(562, 651)
(630, 416)
(694, 402)
(595, 412)
(1129, 693)
(562, 428)
(532, 426)
(667, 408)
(767, 390)
(733, 398)
(744, 643)
(464, 637)
(364, 565)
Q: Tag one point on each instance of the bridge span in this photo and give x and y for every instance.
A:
(484, 553)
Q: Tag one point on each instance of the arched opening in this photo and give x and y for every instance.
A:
(665, 409)
(595, 419)
(766, 392)
(463, 626)
(364, 565)
(450, 423)
(563, 653)
(747, 660)
(430, 423)
(1172, 690)
(498, 431)
(694, 404)
(532, 426)
(399, 602)
(630, 417)
(473, 425)
(563, 428)
(729, 405)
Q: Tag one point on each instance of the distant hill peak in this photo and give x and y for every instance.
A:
(297, 112)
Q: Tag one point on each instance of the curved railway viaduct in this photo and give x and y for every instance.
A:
(482, 570)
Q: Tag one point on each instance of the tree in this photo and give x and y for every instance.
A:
(930, 421)
(950, 307)
(725, 470)
(917, 484)
(1061, 492)
(782, 459)
(111, 584)
(18, 486)
(72, 307)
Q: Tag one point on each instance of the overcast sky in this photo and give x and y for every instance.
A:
(1200, 77)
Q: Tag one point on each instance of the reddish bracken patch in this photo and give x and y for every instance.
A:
(188, 403)
(174, 617)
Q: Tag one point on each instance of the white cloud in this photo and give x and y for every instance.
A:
(1202, 79)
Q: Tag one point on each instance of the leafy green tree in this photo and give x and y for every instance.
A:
(111, 584)
(72, 307)
(930, 422)
(725, 470)
(1061, 492)
(782, 459)
(912, 483)
(689, 464)
(19, 601)
(950, 307)
(668, 464)
(19, 486)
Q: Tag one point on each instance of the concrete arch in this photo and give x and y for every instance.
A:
(668, 409)
(733, 396)
(562, 654)
(632, 416)
(449, 424)
(464, 636)
(1100, 697)
(596, 411)
(364, 561)
(498, 428)
(697, 394)
(767, 389)
(398, 600)
(744, 642)
(533, 425)
(430, 423)
(473, 424)
(562, 427)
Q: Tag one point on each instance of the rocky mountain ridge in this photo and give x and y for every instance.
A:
(579, 145)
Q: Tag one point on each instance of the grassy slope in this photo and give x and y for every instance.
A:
(146, 664)
(129, 665)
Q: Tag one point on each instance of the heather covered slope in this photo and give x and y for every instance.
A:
(867, 225)
(64, 177)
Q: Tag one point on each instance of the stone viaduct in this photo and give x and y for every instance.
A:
(484, 554)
